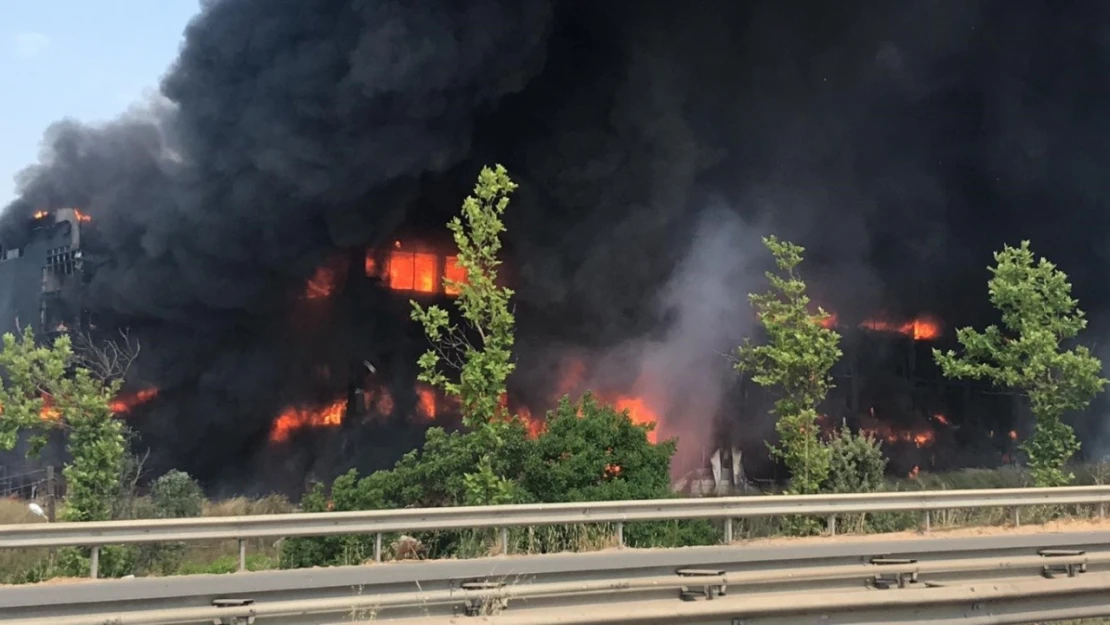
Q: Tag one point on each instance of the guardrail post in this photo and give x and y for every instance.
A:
(504, 541)
(928, 520)
(1102, 511)
(620, 535)
(94, 563)
(1017, 517)
(832, 525)
(728, 531)
(378, 547)
(242, 555)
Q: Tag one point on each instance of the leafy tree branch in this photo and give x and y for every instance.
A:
(796, 359)
(1027, 354)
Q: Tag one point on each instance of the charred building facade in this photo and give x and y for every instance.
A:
(33, 276)
(654, 143)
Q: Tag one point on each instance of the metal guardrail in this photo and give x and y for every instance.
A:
(893, 581)
(379, 522)
(1012, 603)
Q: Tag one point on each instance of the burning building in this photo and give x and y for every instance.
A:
(32, 276)
(654, 141)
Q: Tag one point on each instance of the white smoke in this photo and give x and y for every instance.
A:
(684, 373)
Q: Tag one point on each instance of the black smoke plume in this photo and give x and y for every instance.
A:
(901, 142)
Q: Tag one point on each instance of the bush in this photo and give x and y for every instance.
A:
(588, 452)
(856, 463)
(175, 495)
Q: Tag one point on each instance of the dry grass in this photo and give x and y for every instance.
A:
(18, 560)
(242, 506)
(200, 553)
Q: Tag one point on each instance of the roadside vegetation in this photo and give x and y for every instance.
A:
(586, 450)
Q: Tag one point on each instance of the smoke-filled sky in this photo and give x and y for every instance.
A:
(901, 142)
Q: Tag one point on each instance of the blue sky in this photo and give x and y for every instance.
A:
(83, 59)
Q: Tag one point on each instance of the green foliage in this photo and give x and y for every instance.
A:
(588, 452)
(1026, 354)
(114, 561)
(856, 463)
(27, 366)
(591, 452)
(81, 404)
(480, 351)
(176, 495)
(796, 361)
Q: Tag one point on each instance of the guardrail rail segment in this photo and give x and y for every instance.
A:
(379, 522)
(994, 579)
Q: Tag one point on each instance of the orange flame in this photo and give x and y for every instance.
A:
(640, 413)
(920, 438)
(48, 412)
(454, 272)
(941, 419)
(300, 418)
(322, 283)
(919, 329)
(426, 402)
(535, 426)
(40, 214)
(81, 217)
(419, 271)
(573, 380)
(1013, 435)
(371, 264)
(125, 403)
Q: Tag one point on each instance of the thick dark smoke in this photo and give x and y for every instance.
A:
(901, 142)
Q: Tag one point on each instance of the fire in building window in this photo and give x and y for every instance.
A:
(417, 270)
(454, 272)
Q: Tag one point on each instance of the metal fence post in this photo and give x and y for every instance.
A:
(1017, 517)
(242, 555)
(504, 541)
(728, 531)
(832, 525)
(94, 563)
(620, 535)
(928, 520)
(378, 547)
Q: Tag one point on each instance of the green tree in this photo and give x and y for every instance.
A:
(1026, 354)
(795, 360)
(479, 351)
(78, 402)
(471, 359)
(856, 463)
(25, 366)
